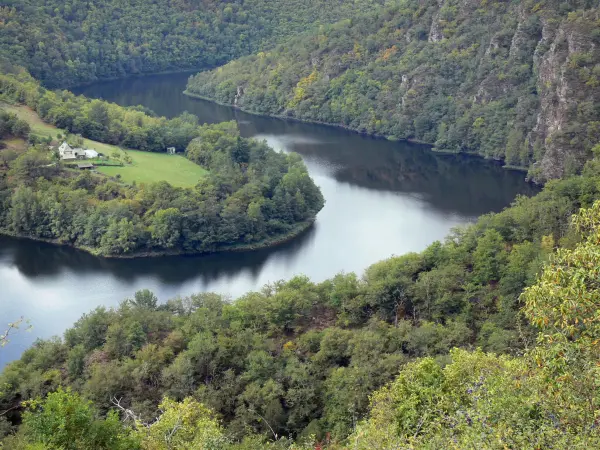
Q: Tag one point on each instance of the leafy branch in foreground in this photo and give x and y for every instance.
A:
(13, 327)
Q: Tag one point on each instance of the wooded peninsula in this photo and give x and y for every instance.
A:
(249, 197)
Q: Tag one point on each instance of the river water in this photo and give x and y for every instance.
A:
(382, 199)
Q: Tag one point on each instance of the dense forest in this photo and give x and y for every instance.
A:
(517, 81)
(252, 195)
(64, 43)
(301, 359)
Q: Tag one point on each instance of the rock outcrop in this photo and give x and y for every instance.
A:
(518, 81)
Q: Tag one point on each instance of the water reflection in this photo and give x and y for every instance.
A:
(41, 260)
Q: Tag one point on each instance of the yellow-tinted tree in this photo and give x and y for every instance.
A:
(187, 425)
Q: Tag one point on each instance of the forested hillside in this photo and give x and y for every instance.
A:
(518, 81)
(301, 359)
(63, 43)
(252, 196)
(486, 340)
(546, 399)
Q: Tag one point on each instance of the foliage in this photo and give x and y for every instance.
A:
(381, 360)
(251, 195)
(300, 359)
(11, 125)
(479, 400)
(181, 426)
(490, 78)
(63, 44)
(564, 304)
(66, 421)
(545, 399)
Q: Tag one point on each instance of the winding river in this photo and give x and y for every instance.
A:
(383, 198)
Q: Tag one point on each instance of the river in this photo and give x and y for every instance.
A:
(382, 199)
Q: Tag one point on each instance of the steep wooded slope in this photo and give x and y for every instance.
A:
(512, 80)
(301, 359)
(63, 43)
(306, 356)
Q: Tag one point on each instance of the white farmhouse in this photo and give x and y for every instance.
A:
(90, 154)
(68, 153)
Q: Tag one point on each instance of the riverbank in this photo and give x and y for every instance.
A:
(271, 242)
(309, 121)
(362, 133)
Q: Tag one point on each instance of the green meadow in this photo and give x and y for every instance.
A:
(145, 167)
(149, 167)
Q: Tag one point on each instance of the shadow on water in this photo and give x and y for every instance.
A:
(42, 260)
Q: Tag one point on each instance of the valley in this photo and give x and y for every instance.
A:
(299, 225)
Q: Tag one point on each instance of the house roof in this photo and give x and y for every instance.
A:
(85, 165)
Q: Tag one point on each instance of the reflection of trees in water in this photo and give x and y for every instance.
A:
(463, 184)
(470, 187)
(38, 259)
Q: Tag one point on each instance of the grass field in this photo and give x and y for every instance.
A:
(38, 127)
(146, 167)
(150, 167)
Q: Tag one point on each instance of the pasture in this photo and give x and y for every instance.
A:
(145, 167)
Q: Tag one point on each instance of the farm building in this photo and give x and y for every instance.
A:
(85, 166)
(66, 152)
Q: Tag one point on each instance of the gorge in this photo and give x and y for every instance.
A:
(434, 298)
(382, 198)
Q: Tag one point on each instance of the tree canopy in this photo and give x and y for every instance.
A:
(367, 360)
(516, 81)
(67, 43)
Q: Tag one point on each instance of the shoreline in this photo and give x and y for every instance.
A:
(298, 230)
(309, 121)
(364, 133)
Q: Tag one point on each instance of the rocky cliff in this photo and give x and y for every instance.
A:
(517, 81)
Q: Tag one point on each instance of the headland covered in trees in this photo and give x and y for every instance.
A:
(249, 197)
(515, 81)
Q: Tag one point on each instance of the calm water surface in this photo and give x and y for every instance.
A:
(383, 198)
